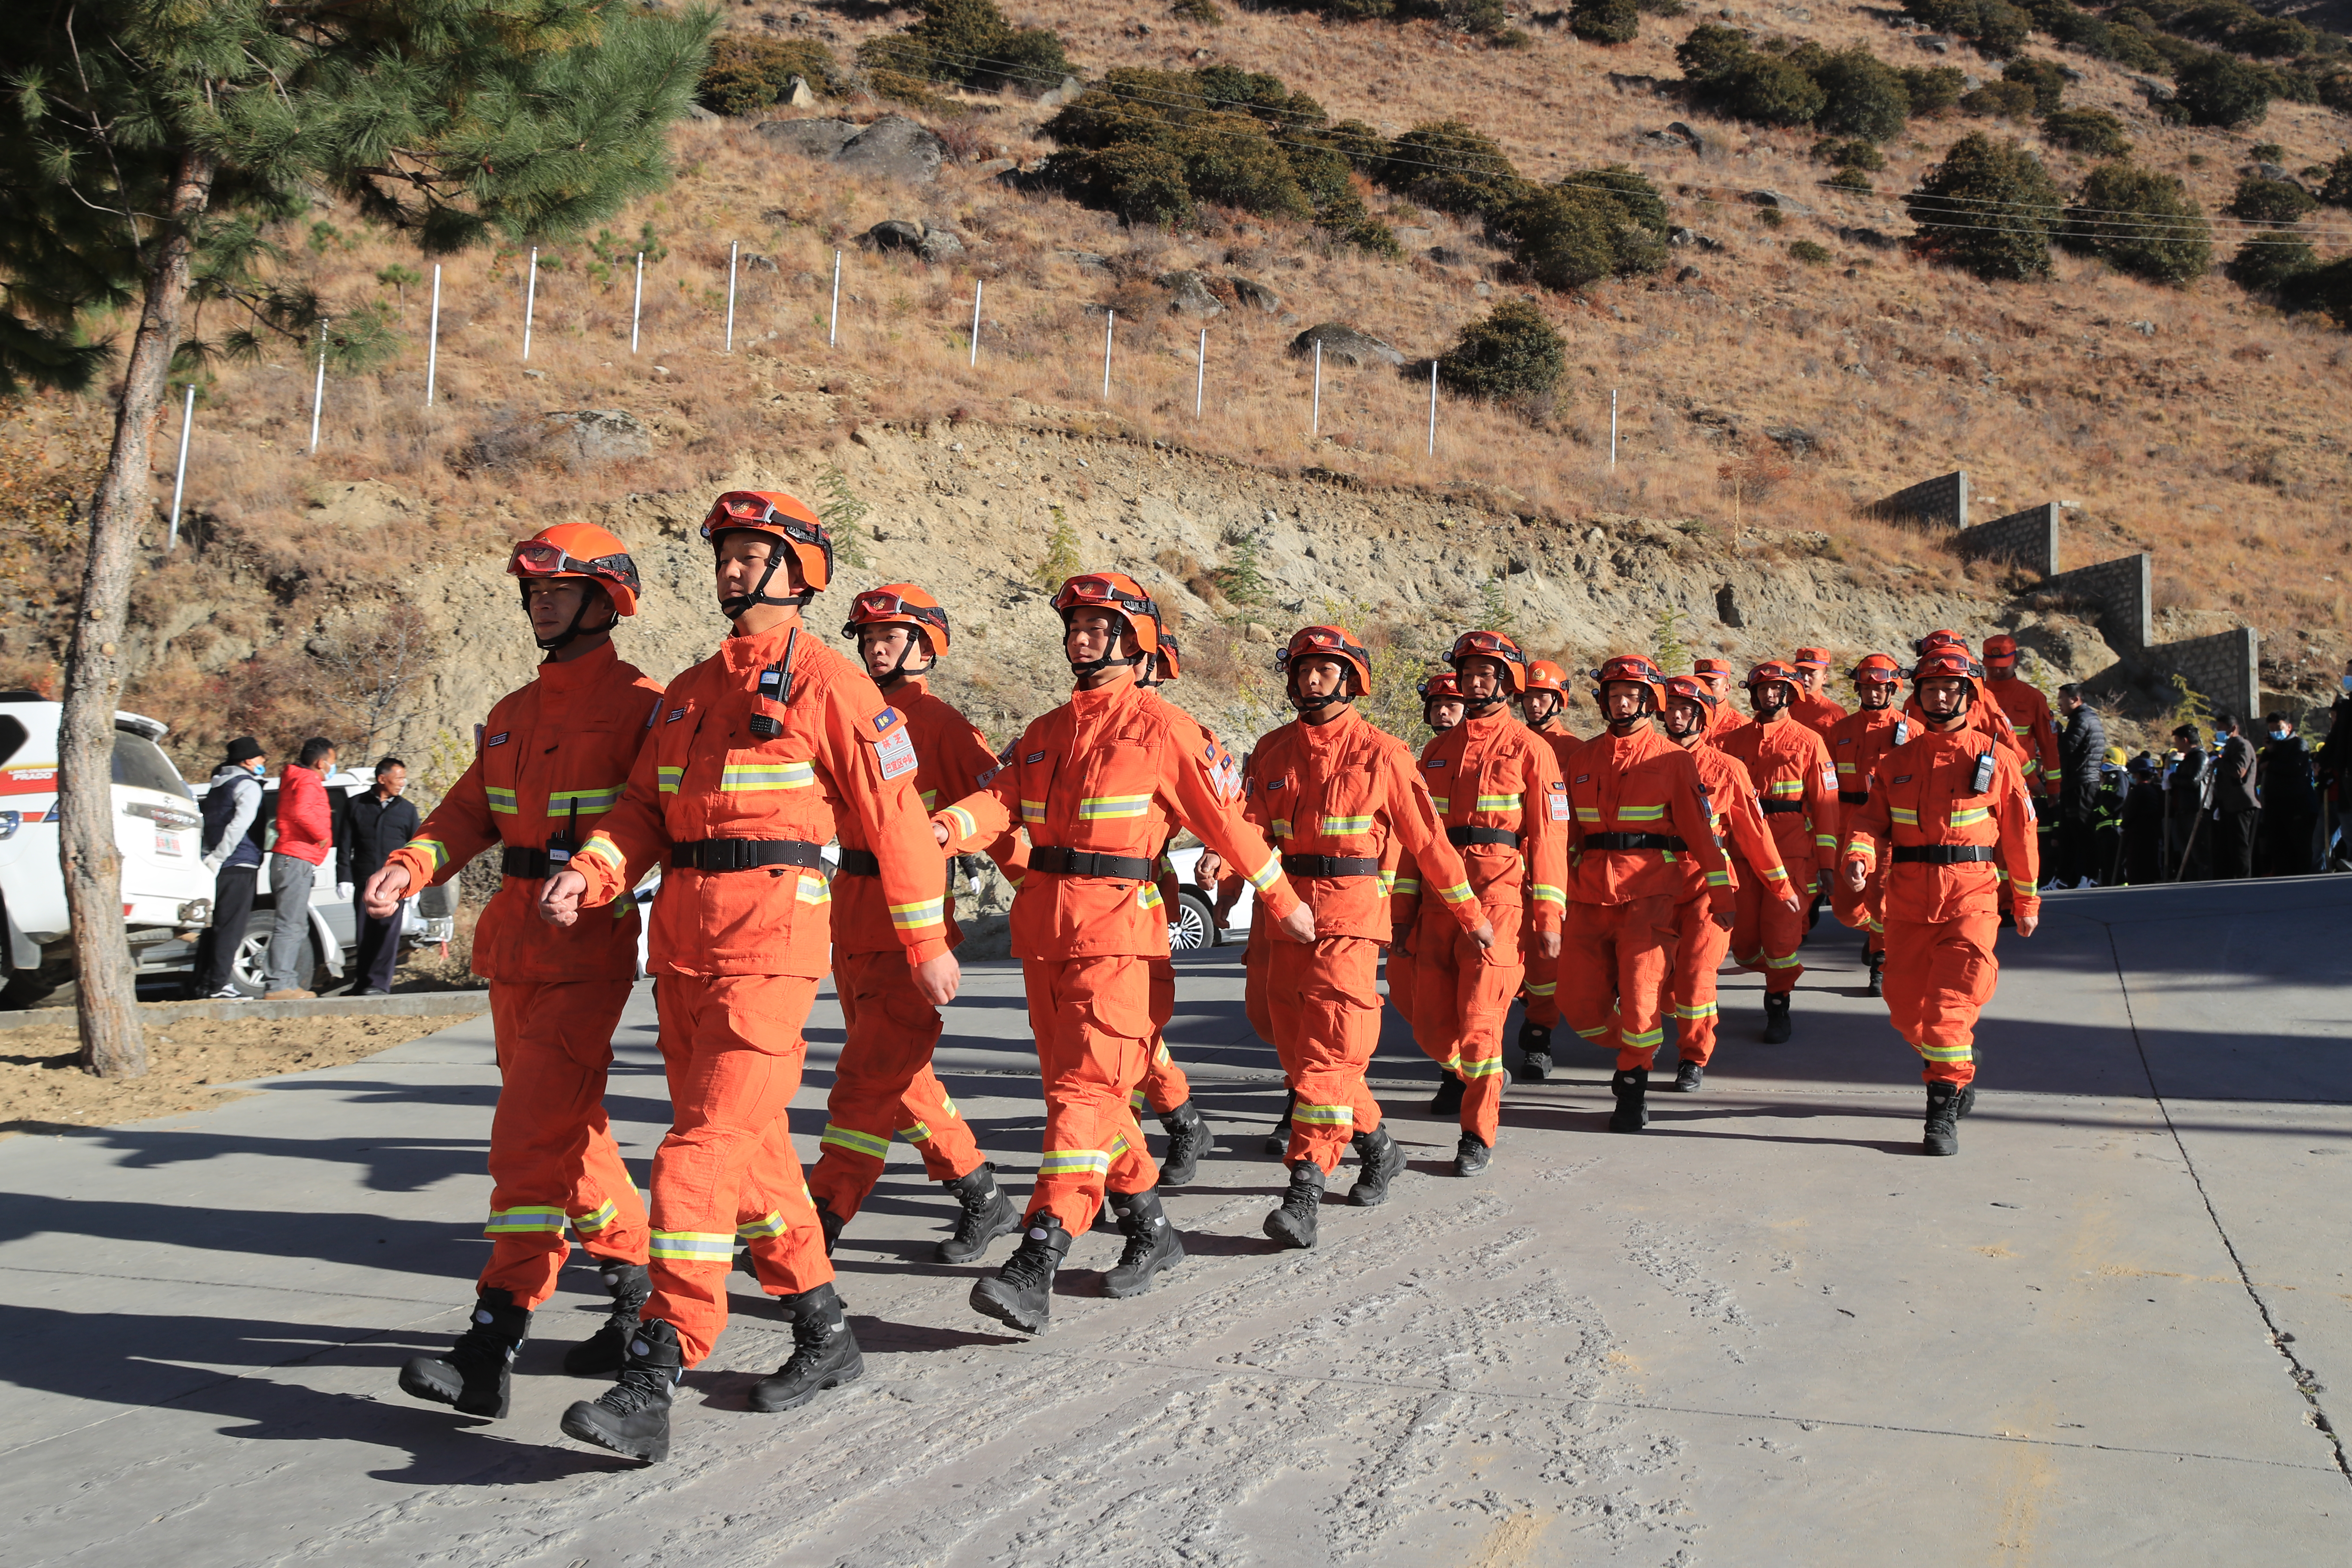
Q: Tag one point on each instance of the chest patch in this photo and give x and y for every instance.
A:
(499, 739)
(675, 715)
(1034, 757)
(1435, 763)
(1902, 778)
(1584, 778)
(896, 753)
(1273, 784)
(1558, 800)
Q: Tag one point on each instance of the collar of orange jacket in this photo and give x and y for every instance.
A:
(1120, 683)
(587, 670)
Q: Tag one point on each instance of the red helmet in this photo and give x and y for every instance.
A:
(1771, 671)
(1168, 655)
(2001, 649)
(1877, 669)
(578, 550)
(1691, 689)
(1441, 687)
(1634, 668)
(1937, 639)
(901, 605)
(1328, 642)
(785, 518)
(1119, 594)
(1813, 658)
(1496, 647)
(1543, 675)
(1949, 664)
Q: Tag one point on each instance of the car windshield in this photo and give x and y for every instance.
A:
(141, 764)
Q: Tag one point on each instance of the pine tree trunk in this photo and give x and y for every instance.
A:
(113, 1044)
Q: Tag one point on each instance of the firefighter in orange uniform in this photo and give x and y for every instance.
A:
(554, 758)
(1791, 770)
(1440, 710)
(1336, 793)
(1542, 707)
(1165, 1088)
(1984, 717)
(1700, 938)
(1717, 673)
(1814, 711)
(1856, 743)
(764, 750)
(2029, 718)
(883, 1082)
(1101, 782)
(1948, 818)
(1635, 798)
(1497, 788)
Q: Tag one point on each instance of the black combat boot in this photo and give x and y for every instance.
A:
(1447, 1100)
(987, 1214)
(1472, 1154)
(476, 1374)
(1188, 1139)
(1382, 1162)
(1943, 1131)
(1277, 1142)
(1632, 1088)
(632, 1416)
(1535, 1054)
(830, 1222)
(1292, 1224)
(1688, 1076)
(1022, 1292)
(825, 1352)
(599, 1355)
(1151, 1243)
(1776, 1018)
(1877, 986)
(1965, 1103)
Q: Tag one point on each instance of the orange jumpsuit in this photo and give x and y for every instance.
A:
(884, 1082)
(1164, 1085)
(1635, 799)
(1942, 917)
(1497, 788)
(1856, 743)
(1542, 984)
(739, 951)
(1101, 782)
(554, 759)
(1791, 770)
(1700, 942)
(1339, 797)
(2036, 729)
(1818, 714)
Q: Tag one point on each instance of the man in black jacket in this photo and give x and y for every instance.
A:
(374, 825)
(2080, 745)
(2143, 813)
(2236, 811)
(235, 832)
(2290, 801)
(2188, 839)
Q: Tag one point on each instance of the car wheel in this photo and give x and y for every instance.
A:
(1192, 927)
(249, 970)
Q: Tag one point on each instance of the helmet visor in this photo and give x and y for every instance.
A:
(537, 558)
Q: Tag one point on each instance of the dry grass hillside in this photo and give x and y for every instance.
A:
(355, 589)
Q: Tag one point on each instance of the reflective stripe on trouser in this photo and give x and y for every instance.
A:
(1765, 934)
(1460, 998)
(1699, 947)
(1939, 974)
(883, 1084)
(1857, 910)
(1164, 1086)
(733, 1049)
(551, 1148)
(1327, 1019)
(1542, 984)
(1091, 1017)
(1614, 964)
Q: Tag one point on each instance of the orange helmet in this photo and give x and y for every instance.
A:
(1711, 666)
(1877, 669)
(1770, 671)
(2001, 649)
(1543, 675)
(1937, 639)
(1950, 664)
(1327, 642)
(901, 605)
(576, 550)
(785, 518)
(1121, 598)
(1690, 688)
(1811, 659)
(1634, 668)
(1496, 647)
(1168, 656)
(1441, 687)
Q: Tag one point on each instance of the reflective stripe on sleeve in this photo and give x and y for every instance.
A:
(813, 890)
(1408, 886)
(964, 824)
(1459, 893)
(668, 779)
(435, 848)
(602, 847)
(1546, 894)
(501, 799)
(1265, 875)
(915, 916)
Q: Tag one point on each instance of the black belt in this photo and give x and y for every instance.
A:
(1463, 838)
(1781, 807)
(860, 863)
(1330, 866)
(532, 865)
(1854, 796)
(745, 854)
(1633, 841)
(1943, 854)
(1086, 863)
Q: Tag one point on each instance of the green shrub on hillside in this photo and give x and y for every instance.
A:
(2092, 130)
(1849, 154)
(1450, 166)
(1514, 353)
(1812, 253)
(2258, 200)
(1932, 88)
(747, 74)
(1851, 92)
(1996, 27)
(1863, 96)
(2336, 190)
(1605, 21)
(2271, 264)
(1481, 18)
(1989, 208)
(2001, 100)
(2214, 90)
(970, 43)
(1590, 224)
(2044, 77)
(2140, 221)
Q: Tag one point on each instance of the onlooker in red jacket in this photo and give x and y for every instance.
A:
(306, 834)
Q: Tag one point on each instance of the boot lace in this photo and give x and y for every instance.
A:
(1142, 1240)
(1303, 1197)
(637, 1387)
(1032, 1264)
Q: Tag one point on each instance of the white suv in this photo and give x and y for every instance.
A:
(166, 891)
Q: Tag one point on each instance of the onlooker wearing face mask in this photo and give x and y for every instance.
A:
(2290, 801)
(2236, 808)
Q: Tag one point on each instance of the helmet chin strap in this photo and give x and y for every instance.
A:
(1317, 704)
(740, 604)
(1479, 707)
(571, 632)
(1628, 725)
(898, 673)
(1089, 669)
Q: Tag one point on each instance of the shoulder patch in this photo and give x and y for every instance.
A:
(889, 719)
(1225, 774)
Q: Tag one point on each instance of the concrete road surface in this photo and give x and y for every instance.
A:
(1766, 1332)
